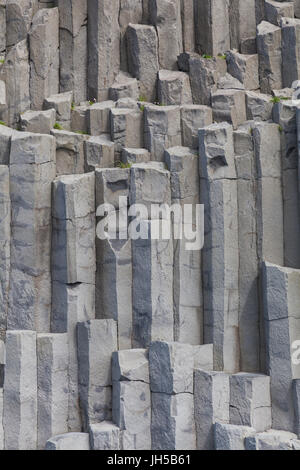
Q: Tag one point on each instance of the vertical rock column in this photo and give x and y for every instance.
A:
(97, 340)
(152, 258)
(212, 397)
(171, 382)
(188, 25)
(52, 379)
(44, 56)
(114, 258)
(183, 165)
(290, 30)
(132, 398)
(73, 47)
(32, 170)
(267, 147)
(269, 203)
(20, 391)
(5, 217)
(3, 25)
(73, 269)
(103, 47)
(242, 23)
(250, 401)
(142, 50)
(269, 55)
(284, 113)
(165, 15)
(131, 12)
(1, 421)
(281, 287)
(16, 65)
(220, 271)
(212, 26)
(248, 258)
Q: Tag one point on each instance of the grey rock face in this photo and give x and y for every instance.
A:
(117, 118)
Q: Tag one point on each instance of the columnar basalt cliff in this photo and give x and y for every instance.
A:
(137, 344)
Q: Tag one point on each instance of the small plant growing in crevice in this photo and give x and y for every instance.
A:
(93, 101)
(277, 99)
(142, 98)
(122, 165)
(81, 132)
(280, 128)
(222, 56)
(58, 127)
(207, 56)
(2, 123)
(73, 106)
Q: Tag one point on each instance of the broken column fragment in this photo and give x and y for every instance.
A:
(104, 436)
(62, 103)
(69, 152)
(174, 88)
